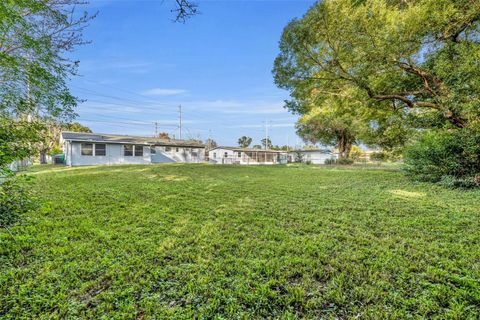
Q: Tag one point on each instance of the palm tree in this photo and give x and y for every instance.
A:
(244, 141)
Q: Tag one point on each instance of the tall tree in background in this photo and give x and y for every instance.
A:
(211, 143)
(334, 122)
(50, 137)
(266, 143)
(244, 142)
(164, 135)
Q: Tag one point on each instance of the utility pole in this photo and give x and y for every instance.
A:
(180, 120)
(266, 134)
(156, 129)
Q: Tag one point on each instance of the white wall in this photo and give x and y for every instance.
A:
(314, 157)
(218, 156)
(178, 154)
(114, 155)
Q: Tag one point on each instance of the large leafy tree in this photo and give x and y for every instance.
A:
(35, 39)
(244, 141)
(335, 121)
(420, 57)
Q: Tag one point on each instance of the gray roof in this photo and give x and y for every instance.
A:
(248, 149)
(313, 150)
(124, 139)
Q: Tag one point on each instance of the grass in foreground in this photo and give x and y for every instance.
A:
(238, 242)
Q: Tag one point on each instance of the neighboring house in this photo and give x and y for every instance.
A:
(98, 148)
(233, 155)
(314, 156)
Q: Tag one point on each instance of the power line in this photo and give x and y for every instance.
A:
(180, 120)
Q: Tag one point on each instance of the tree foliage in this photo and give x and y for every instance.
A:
(35, 38)
(164, 135)
(244, 141)
(266, 143)
(420, 56)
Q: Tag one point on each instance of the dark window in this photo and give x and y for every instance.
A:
(100, 149)
(153, 151)
(214, 155)
(87, 149)
(226, 154)
(168, 149)
(138, 151)
(177, 149)
(128, 150)
(239, 154)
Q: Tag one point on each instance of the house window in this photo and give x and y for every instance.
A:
(226, 154)
(239, 154)
(128, 150)
(177, 149)
(100, 149)
(168, 149)
(214, 155)
(138, 151)
(153, 150)
(87, 149)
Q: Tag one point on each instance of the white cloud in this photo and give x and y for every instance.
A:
(163, 92)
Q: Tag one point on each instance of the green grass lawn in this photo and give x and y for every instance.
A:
(183, 241)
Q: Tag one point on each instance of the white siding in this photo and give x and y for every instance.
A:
(114, 155)
(178, 154)
(315, 157)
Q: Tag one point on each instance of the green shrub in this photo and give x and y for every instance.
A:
(340, 161)
(379, 156)
(330, 161)
(15, 199)
(450, 157)
(344, 161)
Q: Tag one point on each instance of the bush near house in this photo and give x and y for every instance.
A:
(451, 158)
(237, 242)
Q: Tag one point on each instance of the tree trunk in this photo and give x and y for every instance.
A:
(344, 145)
(43, 157)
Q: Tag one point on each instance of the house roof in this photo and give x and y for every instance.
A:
(313, 150)
(247, 149)
(124, 139)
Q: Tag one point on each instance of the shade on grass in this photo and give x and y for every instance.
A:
(160, 241)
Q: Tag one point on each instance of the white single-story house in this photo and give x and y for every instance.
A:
(314, 156)
(98, 148)
(233, 155)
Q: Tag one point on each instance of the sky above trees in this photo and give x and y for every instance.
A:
(141, 65)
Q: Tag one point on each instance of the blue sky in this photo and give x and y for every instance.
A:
(141, 66)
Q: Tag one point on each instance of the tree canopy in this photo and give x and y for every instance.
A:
(418, 56)
(244, 142)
